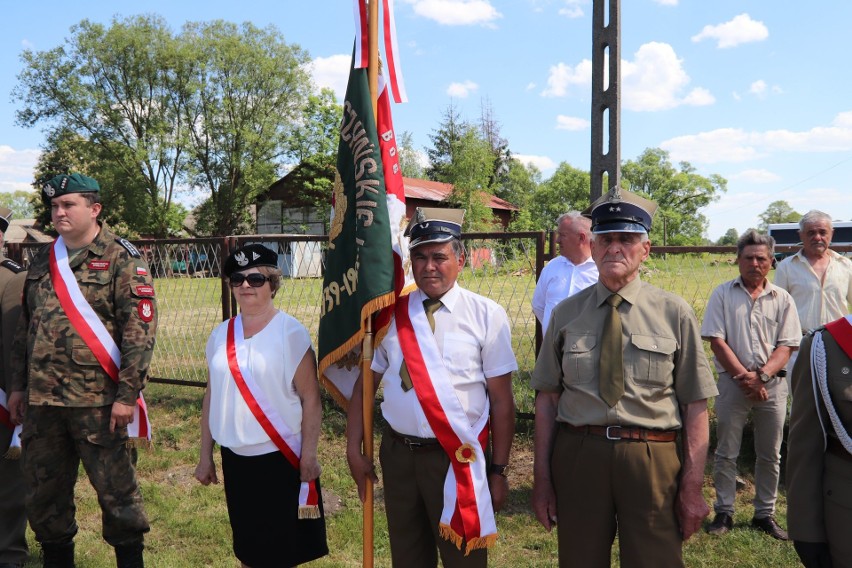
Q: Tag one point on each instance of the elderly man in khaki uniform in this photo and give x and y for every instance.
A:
(819, 460)
(79, 362)
(13, 489)
(752, 327)
(621, 375)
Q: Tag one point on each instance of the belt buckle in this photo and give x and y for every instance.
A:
(610, 437)
(411, 443)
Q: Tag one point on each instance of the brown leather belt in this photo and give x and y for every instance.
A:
(413, 442)
(836, 448)
(625, 433)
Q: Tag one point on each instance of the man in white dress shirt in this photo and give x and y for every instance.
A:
(573, 270)
(819, 279)
(445, 367)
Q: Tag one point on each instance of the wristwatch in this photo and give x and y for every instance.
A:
(498, 469)
(763, 376)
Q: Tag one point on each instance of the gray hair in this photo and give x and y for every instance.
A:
(274, 275)
(575, 216)
(753, 238)
(642, 236)
(458, 247)
(814, 216)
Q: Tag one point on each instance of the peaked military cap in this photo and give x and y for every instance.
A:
(433, 225)
(250, 256)
(620, 211)
(64, 184)
(5, 218)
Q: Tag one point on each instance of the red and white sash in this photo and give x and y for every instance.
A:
(92, 331)
(14, 451)
(287, 442)
(468, 515)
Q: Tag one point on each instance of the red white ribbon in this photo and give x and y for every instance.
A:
(467, 516)
(362, 55)
(14, 449)
(92, 330)
(288, 442)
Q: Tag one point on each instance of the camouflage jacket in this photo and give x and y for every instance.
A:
(11, 285)
(50, 360)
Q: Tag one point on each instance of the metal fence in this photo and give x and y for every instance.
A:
(192, 296)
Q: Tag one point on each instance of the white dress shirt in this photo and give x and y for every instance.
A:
(560, 279)
(475, 341)
(818, 303)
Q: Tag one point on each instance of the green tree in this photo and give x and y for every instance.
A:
(567, 189)
(247, 88)
(316, 130)
(680, 193)
(730, 238)
(409, 157)
(470, 173)
(518, 188)
(22, 203)
(778, 212)
(444, 144)
(117, 88)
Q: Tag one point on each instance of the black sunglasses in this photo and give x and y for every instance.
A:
(255, 279)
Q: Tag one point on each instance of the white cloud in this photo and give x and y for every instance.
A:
(666, 2)
(758, 88)
(655, 79)
(563, 76)
(457, 12)
(573, 8)
(543, 163)
(741, 29)
(462, 90)
(531, 87)
(755, 176)
(332, 72)
(564, 122)
(737, 145)
(16, 168)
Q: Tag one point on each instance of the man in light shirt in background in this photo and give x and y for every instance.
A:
(571, 271)
(819, 279)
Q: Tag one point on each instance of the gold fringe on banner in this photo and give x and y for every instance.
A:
(309, 512)
(139, 443)
(447, 533)
(14, 453)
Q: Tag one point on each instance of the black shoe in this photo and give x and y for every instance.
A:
(58, 555)
(770, 526)
(129, 555)
(721, 524)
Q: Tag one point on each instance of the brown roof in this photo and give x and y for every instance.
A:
(416, 188)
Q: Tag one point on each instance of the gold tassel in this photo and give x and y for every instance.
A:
(480, 542)
(447, 533)
(309, 512)
(139, 443)
(14, 453)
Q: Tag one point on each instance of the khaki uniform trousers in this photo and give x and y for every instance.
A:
(414, 497)
(603, 486)
(55, 440)
(13, 518)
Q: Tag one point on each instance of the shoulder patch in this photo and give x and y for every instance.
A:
(134, 252)
(12, 265)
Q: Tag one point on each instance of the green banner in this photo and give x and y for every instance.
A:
(359, 270)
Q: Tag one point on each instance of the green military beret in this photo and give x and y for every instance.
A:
(64, 184)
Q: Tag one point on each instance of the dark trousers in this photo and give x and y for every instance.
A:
(603, 486)
(55, 440)
(414, 498)
(13, 519)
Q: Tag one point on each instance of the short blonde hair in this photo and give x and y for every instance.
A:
(273, 275)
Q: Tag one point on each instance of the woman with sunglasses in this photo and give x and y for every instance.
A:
(262, 406)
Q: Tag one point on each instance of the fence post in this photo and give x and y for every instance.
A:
(539, 266)
(224, 251)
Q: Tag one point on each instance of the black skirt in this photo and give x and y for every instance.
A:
(262, 493)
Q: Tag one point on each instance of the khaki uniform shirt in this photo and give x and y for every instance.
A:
(817, 302)
(50, 360)
(664, 361)
(809, 473)
(12, 277)
(751, 328)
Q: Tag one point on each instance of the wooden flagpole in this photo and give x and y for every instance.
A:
(367, 344)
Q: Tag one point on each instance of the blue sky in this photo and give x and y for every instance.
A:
(757, 91)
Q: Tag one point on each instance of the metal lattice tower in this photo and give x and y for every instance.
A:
(606, 96)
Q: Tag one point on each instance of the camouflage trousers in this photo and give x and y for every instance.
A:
(55, 440)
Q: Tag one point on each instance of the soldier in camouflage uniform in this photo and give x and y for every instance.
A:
(74, 410)
(13, 519)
